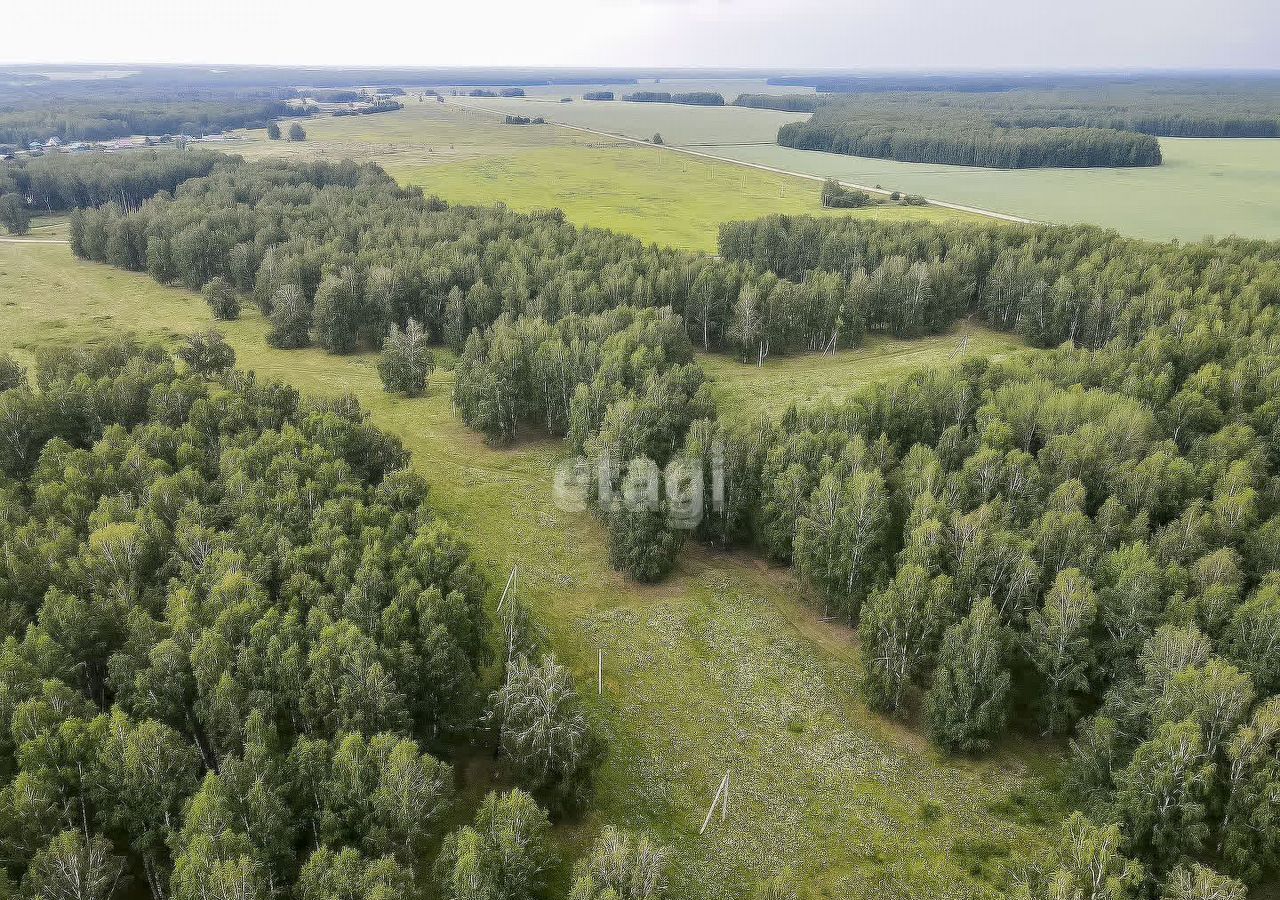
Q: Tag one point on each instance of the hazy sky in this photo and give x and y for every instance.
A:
(930, 34)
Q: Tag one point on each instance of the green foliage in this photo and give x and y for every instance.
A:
(968, 701)
(1088, 862)
(406, 361)
(273, 131)
(837, 196)
(1197, 882)
(12, 373)
(543, 732)
(207, 353)
(346, 875)
(220, 294)
(1060, 649)
(840, 540)
(60, 181)
(642, 542)
(229, 620)
(291, 316)
(504, 855)
(1162, 795)
(958, 131)
(785, 102)
(621, 866)
(122, 114)
(72, 867)
(297, 132)
(899, 627)
(14, 215)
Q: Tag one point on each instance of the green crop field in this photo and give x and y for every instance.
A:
(1205, 186)
(724, 665)
(745, 388)
(469, 156)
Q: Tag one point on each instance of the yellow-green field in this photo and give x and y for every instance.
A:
(809, 377)
(723, 666)
(469, 156)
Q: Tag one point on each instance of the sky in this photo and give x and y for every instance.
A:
(841, 34)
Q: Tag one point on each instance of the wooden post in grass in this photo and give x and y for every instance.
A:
(510, 578)
(722, 798)
(600, 673)
(511, 616)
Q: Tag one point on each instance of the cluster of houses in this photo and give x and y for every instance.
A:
(57, 145)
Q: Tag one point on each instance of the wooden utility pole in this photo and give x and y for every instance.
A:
(721, 798)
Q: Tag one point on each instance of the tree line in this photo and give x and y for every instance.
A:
(784, 102)
(952, 135)
(238, 650)
(689, 98)
(84, 119)
(58, 182)
(1230, 106)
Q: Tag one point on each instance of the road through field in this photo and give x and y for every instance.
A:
(762, 167)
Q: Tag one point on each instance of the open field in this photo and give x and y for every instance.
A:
(468, 156)
(748, 389)
(1205, 186)
(722, 666)
(663, 197)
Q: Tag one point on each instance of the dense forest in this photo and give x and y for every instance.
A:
(1080, 541)
(921, 128)
(785, 102)
(238, 650)
(1085, 538)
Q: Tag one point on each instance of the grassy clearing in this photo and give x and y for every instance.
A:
(468, 156)
(746, 388)
(724, 666)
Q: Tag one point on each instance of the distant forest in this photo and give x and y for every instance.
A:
(1020, 122)
(785, 102)
(916, 128)
(103, 119)
(691, 98)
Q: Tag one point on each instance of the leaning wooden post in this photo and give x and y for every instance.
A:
(721, 791)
